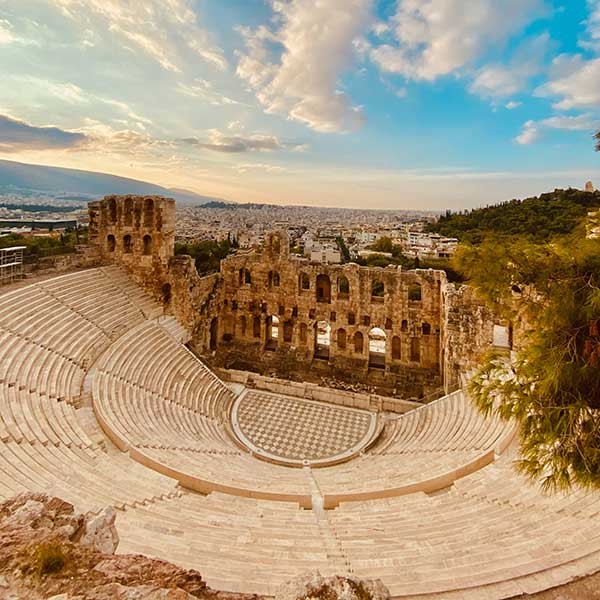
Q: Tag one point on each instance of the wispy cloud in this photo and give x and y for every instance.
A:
(234, 144)
(17, 136)
(533, 130)
(157, 28)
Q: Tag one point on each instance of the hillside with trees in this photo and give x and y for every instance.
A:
(539, 218)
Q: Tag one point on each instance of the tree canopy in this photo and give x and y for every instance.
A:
(539, 218)
(206, 254)
(551, 291)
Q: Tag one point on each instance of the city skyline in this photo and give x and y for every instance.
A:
(356, 103)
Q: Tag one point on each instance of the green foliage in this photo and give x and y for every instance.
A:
(49, 558)
(40, 246)
(207, 254)
(597, 137)
(552, 388)
(383, 244)
(540, 218)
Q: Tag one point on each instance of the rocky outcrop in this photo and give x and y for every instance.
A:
(48, 551)
(313, 586)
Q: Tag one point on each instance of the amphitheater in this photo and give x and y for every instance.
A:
(103, 403)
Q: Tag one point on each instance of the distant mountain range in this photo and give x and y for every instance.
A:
(77, 185)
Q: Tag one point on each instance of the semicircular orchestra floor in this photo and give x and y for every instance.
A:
(295, 432)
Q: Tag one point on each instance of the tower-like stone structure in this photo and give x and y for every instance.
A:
(134, 230)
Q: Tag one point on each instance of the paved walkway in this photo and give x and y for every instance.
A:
(295, 431)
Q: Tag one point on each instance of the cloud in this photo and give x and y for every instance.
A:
(512, 105)
(17, 135)
(502, 80)
(573, 82)
(592, 39)
(316, 46)
(260, 167)
(433, 38)
(533, 130)
(203, 90)
(6, 35)
(161, 29)
(233, 144)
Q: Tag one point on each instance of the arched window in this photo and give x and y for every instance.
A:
(245, 277)
(377, 341)
(322, 339)
(272, 332)
(288, 329)
(147, 244)
(414, 292)
(148, 212)
(323, 289)
(303, 282)
(166, 293)
(377, 290)
(396, 348)
(303, 334)
(128, 212)
(426, 329)
(274, 280)
(341, 339)
(127, 244)
(112, 210)
(415, 349)
(404, 326)
(358, 342)
(343, 287)
(214, 332)
(256, 327)
(111, 242)
(243, 325)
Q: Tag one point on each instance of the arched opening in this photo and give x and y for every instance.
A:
(341, 339)
(147, 244)
(303, 282)
(404, 326)
(322, 340)
(245, 277)
(148, 212)
(128, 212)
(112, 210)
(358, 342)
(414, 292)
(273, 279)
(377, 290)
(243, 325)
(127, 244)
(396, 348)
(166, 293)
(377, 341)
(272, 333)
(256, 327)
(343, 287)
(214, 332)
(303, 334)
(288, 329)
(323, 289)
(415, 349)
(426, 328)
(111, 242)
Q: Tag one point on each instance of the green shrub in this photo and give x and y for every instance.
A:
(49, 558)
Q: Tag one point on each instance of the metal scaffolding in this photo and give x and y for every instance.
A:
(11, 264)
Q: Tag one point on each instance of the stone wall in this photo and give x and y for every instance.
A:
(287, 314)
(401, 333)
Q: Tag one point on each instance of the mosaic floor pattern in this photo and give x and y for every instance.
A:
(296, 431)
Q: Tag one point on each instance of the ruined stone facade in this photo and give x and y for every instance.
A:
(403, 333)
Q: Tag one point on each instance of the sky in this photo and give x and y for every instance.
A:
(395, 104)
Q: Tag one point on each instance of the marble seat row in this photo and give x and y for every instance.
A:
(49, 332)
(143, 375)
